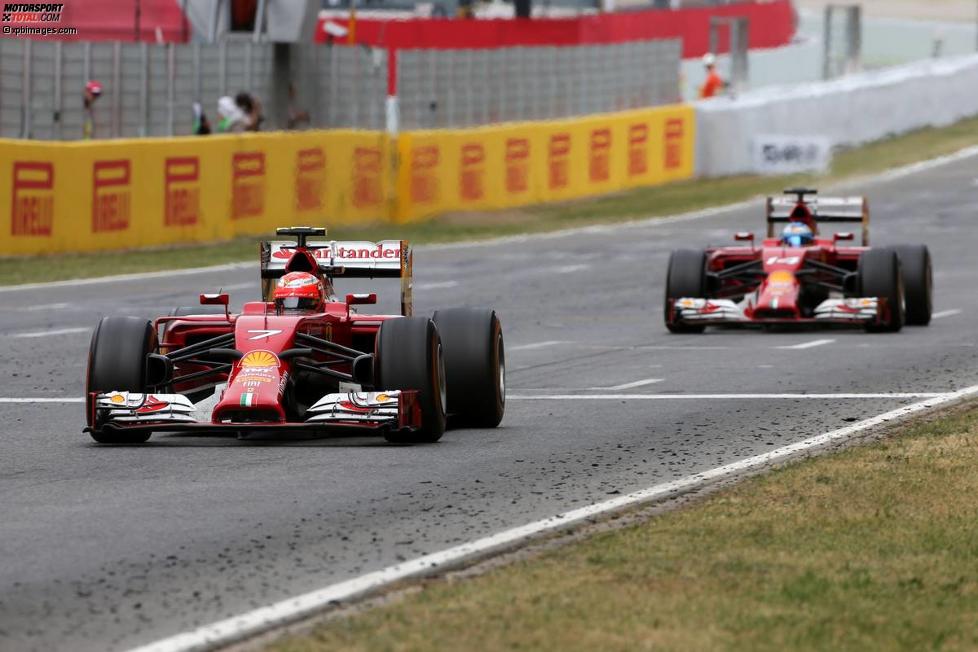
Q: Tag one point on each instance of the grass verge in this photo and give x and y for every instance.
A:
(872, 548)
(644, 202)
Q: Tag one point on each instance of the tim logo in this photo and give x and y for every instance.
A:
(517, 165)
(674, 144)
(472, 172)
(638, 150)
(111, 197)
(599, 166)
(32, 206)
(558, 167)
(424, 177)
(181, 191)
(310, 179)
(247, 184)
(366, 177)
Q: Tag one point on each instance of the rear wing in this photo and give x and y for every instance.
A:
(348, 259)
(824, 210)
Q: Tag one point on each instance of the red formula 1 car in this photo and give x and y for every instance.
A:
(801, 277)
(300, 360)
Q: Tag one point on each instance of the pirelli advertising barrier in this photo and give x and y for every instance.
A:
(528, 163)
(59, 197)
(65, 197)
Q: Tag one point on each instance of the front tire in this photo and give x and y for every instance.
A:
(880, 276)
(686, 278)
(918, 283)
(117, 362)
(475, 365)
(409, 356)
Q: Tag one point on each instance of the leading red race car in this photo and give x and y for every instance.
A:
(801, 277)
(301, 360)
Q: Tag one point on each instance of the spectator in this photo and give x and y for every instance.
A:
(93, 90)
(250, 106)
(714, 83)
(232, 118)
(202, 125)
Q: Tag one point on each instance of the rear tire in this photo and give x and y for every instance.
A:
(880, 276)
(475, 365)
(117, 362)
(686, 278)
(409, 356)
(918, 283)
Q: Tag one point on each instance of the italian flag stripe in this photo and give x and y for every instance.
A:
(247, 399)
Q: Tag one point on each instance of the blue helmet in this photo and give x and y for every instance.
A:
(797, 234)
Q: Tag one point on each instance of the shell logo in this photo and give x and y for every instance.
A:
(382, 398)
(781, 277)
(118, 398)
(259, 358)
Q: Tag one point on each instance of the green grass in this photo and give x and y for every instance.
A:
(644, 202)
(873, 548)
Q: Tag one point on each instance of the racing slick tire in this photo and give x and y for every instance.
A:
(475, 365)
(686, 278)
(880, 276)
(918, 283)
(117, 362)
(409, 356)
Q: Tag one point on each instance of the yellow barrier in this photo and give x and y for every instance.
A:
(61, 197)
(136, 193)
(527, 163)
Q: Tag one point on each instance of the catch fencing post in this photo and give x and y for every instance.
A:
(26, 124)
(58, 84)
(116, 89)
(171, 72)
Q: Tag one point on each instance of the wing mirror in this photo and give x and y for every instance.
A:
(361, 299)
(214, 299)
(744, 236)
(842, 236)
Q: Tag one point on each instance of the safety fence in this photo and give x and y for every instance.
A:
(149, 90)
(463, 88)
(87, 196)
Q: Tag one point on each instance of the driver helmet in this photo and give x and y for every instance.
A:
(299, 292)
(797, 234)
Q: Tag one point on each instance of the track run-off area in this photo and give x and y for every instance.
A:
(190, 539)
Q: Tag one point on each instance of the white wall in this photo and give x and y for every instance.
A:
(848, 111)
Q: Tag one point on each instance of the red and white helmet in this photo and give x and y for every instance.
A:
(299, 292)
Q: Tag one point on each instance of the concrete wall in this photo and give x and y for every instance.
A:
(848, 111)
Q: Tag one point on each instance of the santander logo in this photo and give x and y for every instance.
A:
(351, 251)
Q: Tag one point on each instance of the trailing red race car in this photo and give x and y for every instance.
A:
(801, 277)
(301, 360)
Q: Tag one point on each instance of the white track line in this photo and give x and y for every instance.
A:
(536, 345)
(262, 619)
(44, 306)
(73, 399)
(443, 285)
(890, 175)
(708, 397)
(56, 331)
(807, 345)
(122, 278)
(945, 313)
(632, 385)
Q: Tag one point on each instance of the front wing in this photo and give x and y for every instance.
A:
(853, 311)
(342, 413)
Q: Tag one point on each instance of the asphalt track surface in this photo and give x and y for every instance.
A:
(113, 547)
